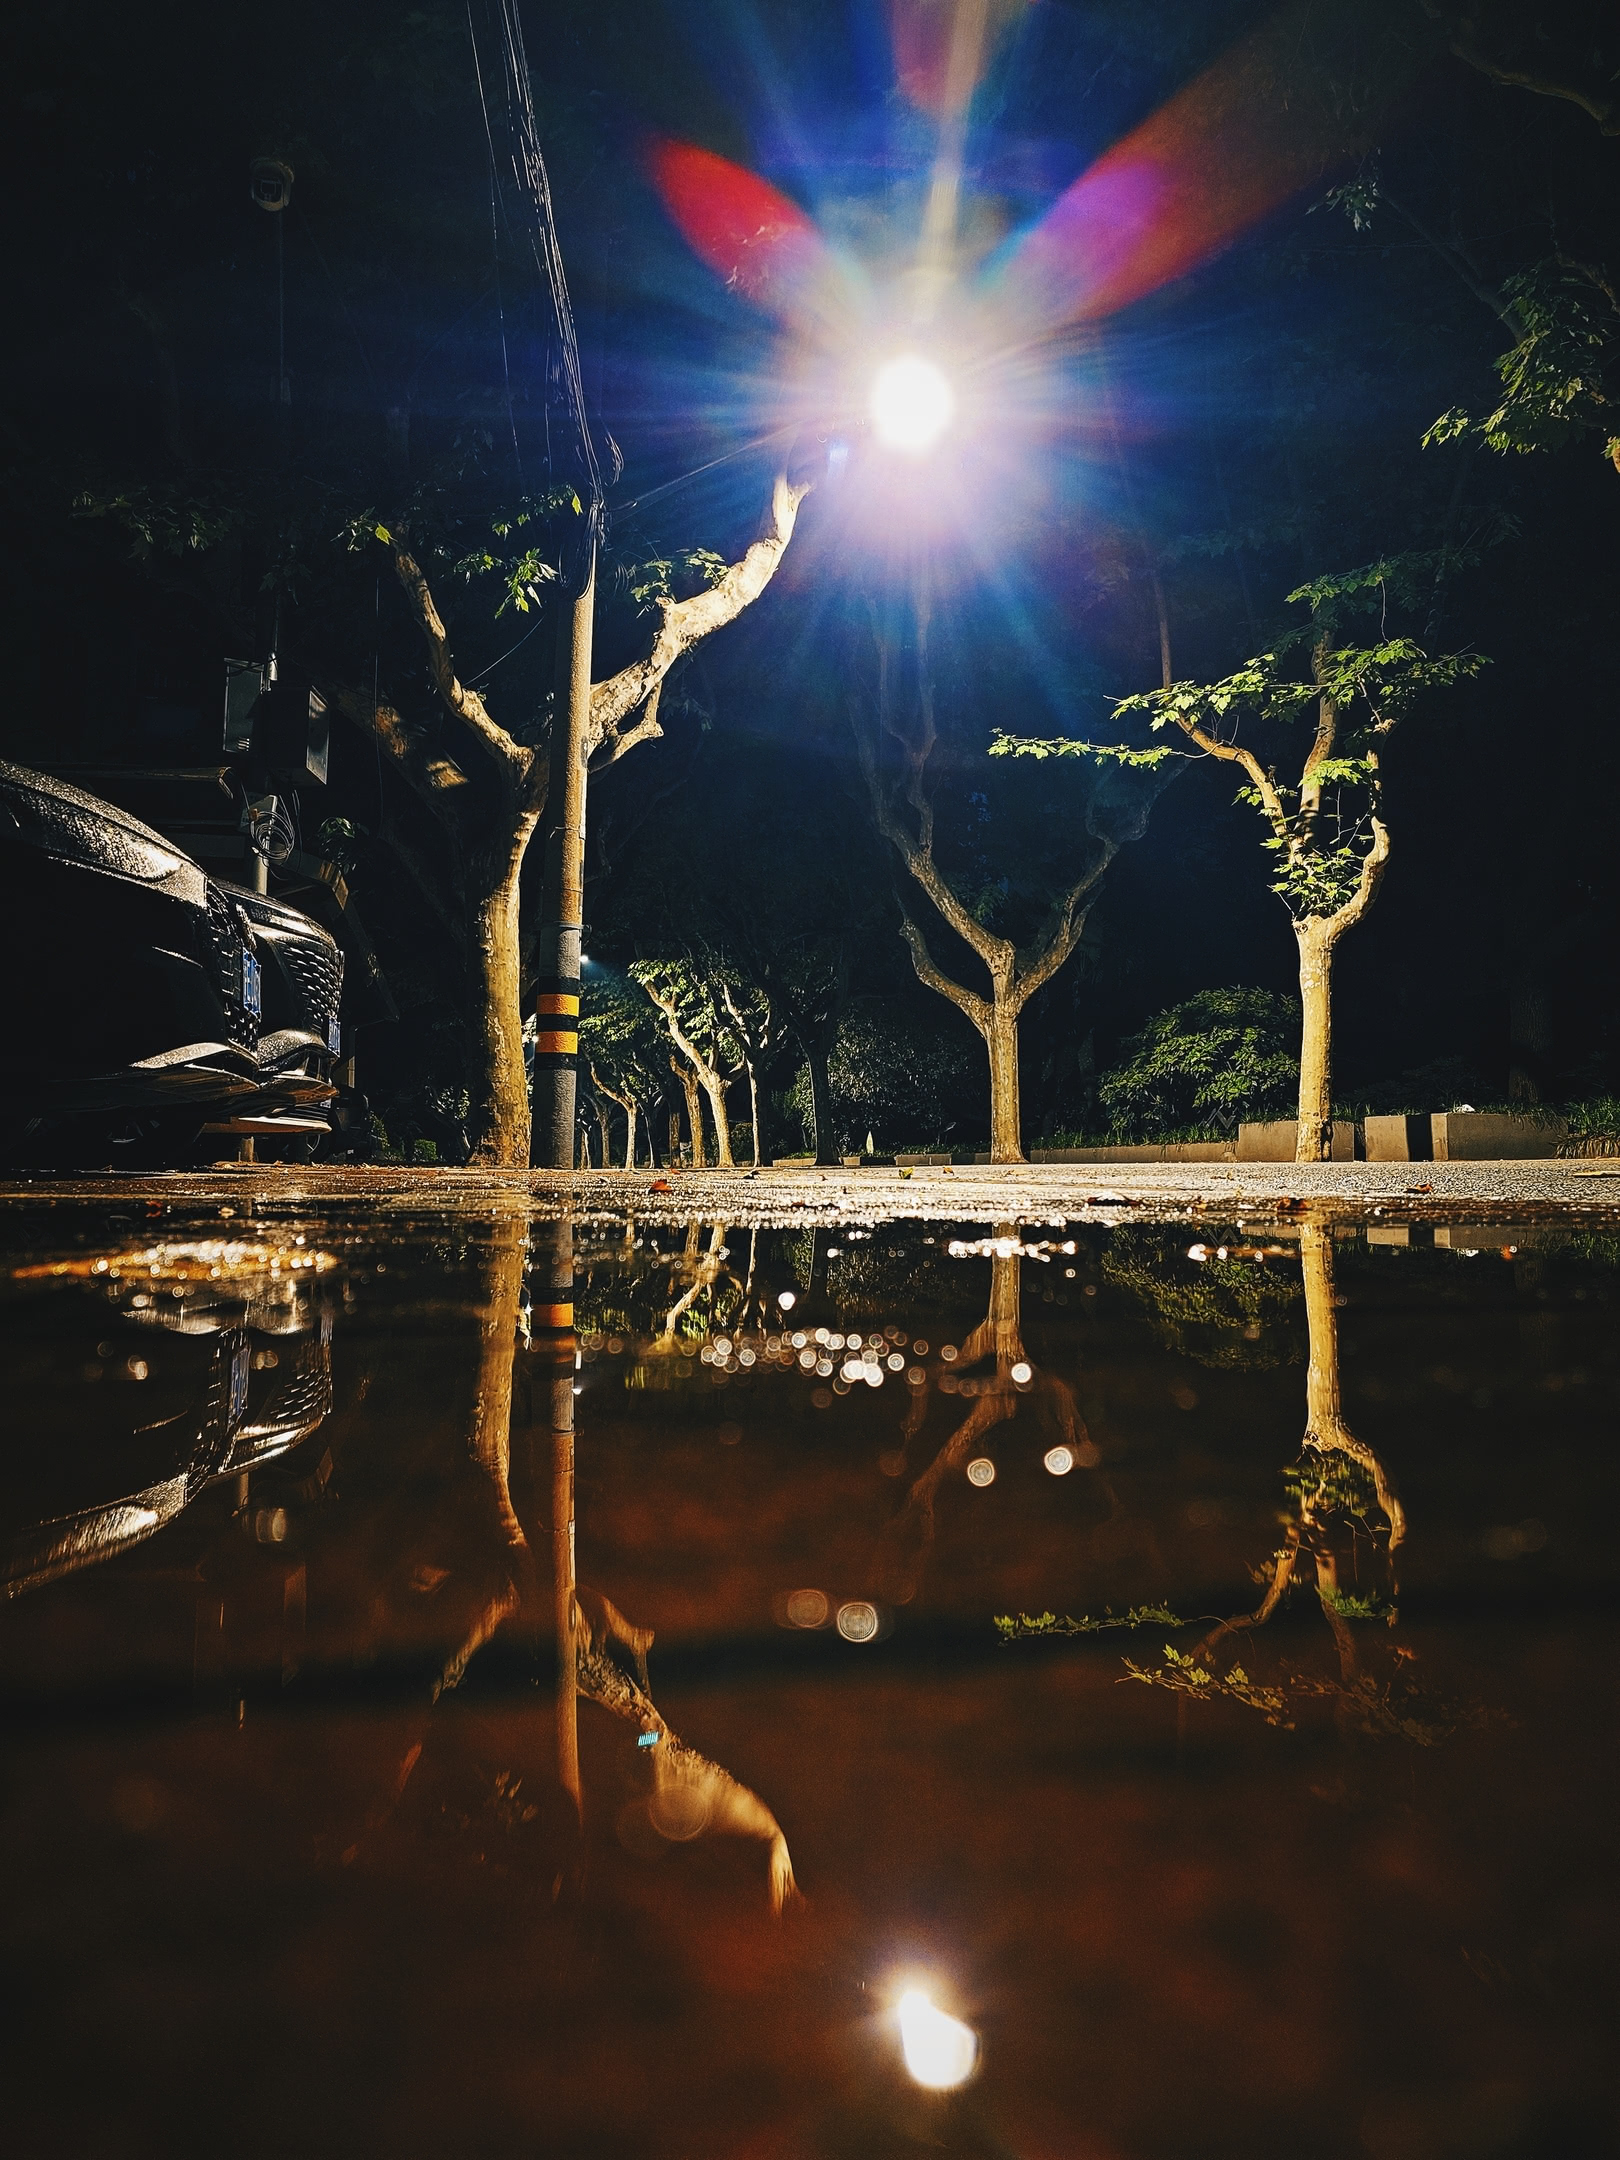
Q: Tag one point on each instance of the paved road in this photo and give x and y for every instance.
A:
(1586, 1192)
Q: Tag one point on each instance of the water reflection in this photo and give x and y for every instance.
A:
(228, 1347)
(993, 1371)
(680, 1795)
(459, 1756)
(1343, 1522)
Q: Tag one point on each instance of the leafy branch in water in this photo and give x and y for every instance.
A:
(1026, 1625)
(1185, 1676)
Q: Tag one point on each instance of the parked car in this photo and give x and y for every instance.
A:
(150, 1011)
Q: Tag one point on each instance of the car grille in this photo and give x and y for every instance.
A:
(225, 942)
(317, 973)
(291, 1411)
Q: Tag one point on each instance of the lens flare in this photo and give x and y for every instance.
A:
(912, 404)
(940, 2051)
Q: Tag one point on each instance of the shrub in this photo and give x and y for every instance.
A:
(1206, 1064)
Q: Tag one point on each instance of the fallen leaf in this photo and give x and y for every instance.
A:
(659, 1184)
(1420, 1188)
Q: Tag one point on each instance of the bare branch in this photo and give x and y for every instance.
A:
(646, 729)
(1040, 960)
(1237, 754)
(436, 779)
(978, 1009)
(997, 953)
(1462, 33)
(463, 704)
(686, 622)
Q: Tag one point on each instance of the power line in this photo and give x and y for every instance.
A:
(533, 185)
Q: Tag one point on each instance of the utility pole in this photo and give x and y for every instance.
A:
(562, 928)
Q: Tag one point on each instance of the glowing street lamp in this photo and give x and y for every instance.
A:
(912, 404)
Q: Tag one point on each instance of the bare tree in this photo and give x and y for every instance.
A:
(904, 814)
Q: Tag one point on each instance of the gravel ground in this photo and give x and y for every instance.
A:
(1575, 1193)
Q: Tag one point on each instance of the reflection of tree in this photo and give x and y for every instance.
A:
(1225, 1314)
(1339, 1485)
(994, 1397)
(667, 1299)
(706, 1278)
(689, 1796)
(1345, 1523)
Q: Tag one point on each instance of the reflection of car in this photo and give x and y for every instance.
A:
(229, 1380)
(142, 1001)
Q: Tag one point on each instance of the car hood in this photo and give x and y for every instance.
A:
(64, 821)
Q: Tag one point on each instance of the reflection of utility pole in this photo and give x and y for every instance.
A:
(556, 1049)
(553, 1323)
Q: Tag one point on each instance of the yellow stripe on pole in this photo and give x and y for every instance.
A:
(552, 1316)
(557, 1001)
(556, 1043)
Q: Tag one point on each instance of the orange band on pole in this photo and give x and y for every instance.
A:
(557, 1001)
(556, 1042)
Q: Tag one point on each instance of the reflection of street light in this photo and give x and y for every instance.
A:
(912, 404)
(940, 2051)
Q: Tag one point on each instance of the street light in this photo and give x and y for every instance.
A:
(912, 404)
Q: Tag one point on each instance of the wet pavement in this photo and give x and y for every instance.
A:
(1171, 1643)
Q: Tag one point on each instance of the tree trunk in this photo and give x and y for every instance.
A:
(821, 1104)
(1315, 934)
(716, 1092)
(498, 1084)
(630, 1132)
(694, 1118)
(1000, 1032)
(753, 1108)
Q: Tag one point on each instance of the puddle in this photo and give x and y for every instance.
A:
(976, 1688)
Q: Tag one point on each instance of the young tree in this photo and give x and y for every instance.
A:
(710, 1053)
(619, 1047)
(903, 809)
(1325, 829)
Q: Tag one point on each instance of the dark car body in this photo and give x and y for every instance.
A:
(134, 988)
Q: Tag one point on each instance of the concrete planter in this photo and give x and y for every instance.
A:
(1397, 1139)
(1165, 1151)
(1493, 1136)
(1277, 1140)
